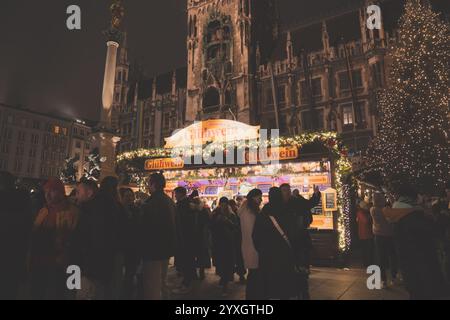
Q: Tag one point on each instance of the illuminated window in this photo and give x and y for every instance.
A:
(347, 114)
(56, 129)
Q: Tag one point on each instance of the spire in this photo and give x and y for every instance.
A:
(136, 94)
(363, 27)
(289, 48)
(154, 88)
(174, 83)
(325, 39)
(258, 54)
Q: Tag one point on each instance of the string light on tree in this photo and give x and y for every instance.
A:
(412, 144)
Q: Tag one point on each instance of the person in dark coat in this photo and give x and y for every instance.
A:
(96, 241)
(223, 231)
(15, 229)
(186, 227)
(157, 237)
(203, 234)
(416, 248)
(109, 190)
(279, 261)
(297, 205)
(131, 241)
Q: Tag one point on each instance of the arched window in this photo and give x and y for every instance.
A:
(211, 100)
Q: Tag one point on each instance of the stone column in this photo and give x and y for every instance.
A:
(103, 136)
(108, 83)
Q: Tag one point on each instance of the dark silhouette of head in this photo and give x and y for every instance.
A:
(223, 203)
(286, 192)
(194, 194)
(86, 190)
(275, 200)
(109, 186)
(156, 182)
(180, 193)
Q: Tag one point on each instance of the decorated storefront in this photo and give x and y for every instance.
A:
(227, 158)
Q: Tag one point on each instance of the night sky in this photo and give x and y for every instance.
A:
(46, 67)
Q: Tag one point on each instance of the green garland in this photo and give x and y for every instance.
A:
(133, 162)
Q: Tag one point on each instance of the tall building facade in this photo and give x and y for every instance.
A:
(320, 74)
(222, 56)
(34, 145)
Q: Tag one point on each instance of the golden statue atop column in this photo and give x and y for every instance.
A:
(117, 14)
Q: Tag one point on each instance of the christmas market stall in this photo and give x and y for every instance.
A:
(303, 161)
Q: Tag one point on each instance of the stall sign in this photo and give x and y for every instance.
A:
(310, 180)
(215, 130)
(211, 190)
(164, 164)
(273, 154)
(329, 200)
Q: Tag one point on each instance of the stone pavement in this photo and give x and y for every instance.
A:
(325, 284)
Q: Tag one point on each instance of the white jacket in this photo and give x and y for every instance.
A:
(249, 253)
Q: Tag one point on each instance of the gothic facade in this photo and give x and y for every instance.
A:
(320, 74)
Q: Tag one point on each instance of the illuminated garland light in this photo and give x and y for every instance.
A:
(412, 145)
(329, 139)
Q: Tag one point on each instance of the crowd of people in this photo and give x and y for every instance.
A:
(123, 245)
(407, 235)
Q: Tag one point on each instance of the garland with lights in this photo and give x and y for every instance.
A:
(133, 163)
(412, 146)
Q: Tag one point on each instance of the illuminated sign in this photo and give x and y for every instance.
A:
(217, 130)
(273, 154)
(330, 200)
(310, 180)
(164, 164)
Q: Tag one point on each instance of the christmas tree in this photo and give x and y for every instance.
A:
(413, 144)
